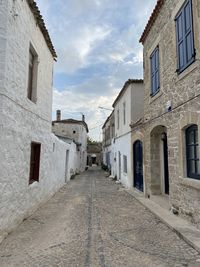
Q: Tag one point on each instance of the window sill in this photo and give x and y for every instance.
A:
(152, 98)
(32, 101)
(33, 183)
(190, 182)
(181, 75)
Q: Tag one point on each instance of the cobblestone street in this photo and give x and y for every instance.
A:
(94, 222)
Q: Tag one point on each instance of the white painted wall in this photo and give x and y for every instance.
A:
(22, 121)
(133, 99)
(123, 145)
(80, 136)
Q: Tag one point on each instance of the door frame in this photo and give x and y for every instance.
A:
(141, 186)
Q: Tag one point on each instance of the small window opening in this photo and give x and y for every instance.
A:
(32, 75)
(34, 162)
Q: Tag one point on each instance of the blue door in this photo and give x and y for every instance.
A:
(138, 165)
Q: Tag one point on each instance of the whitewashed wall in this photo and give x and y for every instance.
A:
(133, 97)
(80, 136)
(22, 121)
(123, 145)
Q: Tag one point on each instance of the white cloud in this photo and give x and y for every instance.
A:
(98, 40)
(72, 105)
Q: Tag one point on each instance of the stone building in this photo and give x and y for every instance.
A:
(128, 109)
(108, 131)
(77, 132)
(30, 169)
(169, 133)
(94, 153)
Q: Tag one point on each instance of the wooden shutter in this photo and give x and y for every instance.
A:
(184, 36)
(189, 39)
(155, 80)
(180, 40)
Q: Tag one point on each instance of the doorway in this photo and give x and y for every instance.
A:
(159, 161)
(138, 165)
(165, 161)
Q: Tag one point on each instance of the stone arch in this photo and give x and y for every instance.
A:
(159, 177)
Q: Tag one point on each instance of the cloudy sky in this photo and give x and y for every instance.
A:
(98, 50)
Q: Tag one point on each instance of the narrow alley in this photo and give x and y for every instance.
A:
(94, 222)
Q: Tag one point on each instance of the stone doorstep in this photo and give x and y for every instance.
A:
(185, 230)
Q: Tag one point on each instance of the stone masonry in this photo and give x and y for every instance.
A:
(183, 91)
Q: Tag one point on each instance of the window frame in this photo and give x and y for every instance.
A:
(34, 169)
(118, 119)
(190, 174)
(125, 164)
(124, 112)
(32, 74)
(155, 70)
(186, 63)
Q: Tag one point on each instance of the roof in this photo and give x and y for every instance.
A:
(151, 20)
(72, 121)
(38, 17)
(107, 119)
(127, 83)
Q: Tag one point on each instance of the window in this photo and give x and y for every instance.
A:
(118, 119)
(32, 75)
(124, 112)
(125, 163)
(192, 152)
(34, 162)
(155, 76)
(184, 37)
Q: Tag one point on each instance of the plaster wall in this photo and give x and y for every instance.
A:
(3, 30)
(22, 30)
(123, 127)
(18, 198)
(122, 145)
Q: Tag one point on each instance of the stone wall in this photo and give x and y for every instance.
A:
(183, 91)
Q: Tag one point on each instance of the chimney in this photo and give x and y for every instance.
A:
(58, 115)
(83, 117)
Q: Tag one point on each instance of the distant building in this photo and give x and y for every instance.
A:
(32, 159)
(108, 135)
(128, 108)
(77, 132)
(94, 154)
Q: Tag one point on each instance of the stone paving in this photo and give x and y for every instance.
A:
(93, 222)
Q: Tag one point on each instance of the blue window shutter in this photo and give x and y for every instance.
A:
(155, 80)
(189, 43)
(157, 69)
(184, 36)
(180, 40)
